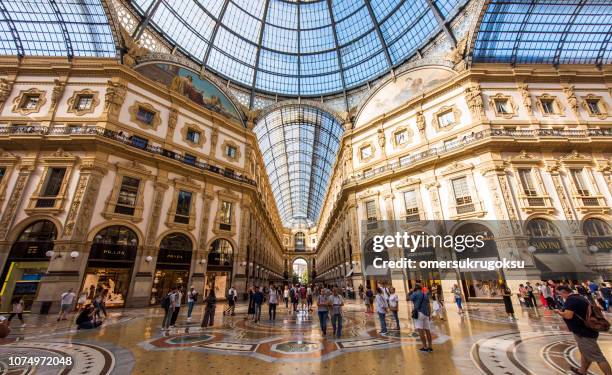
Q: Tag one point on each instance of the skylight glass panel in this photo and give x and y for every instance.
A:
(344, 8)
(283, 14)
(421, 31)
(279, 39)
(359, 73)
(242, 23)
(254, 8)
(353, 27)
(446, 7)
(360, 50)
(319, 64)
(280, 63)
(231, 67)
(240, 49)
(382, 8)
(193, 37)
(314, 15)
(317, 40)
(406, 17)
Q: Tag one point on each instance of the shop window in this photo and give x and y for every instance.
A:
(51, 187)
(183, 207)
(225, 216)
(463, 198)
(541, 228)
(597, 228)
(411, 205)
(128, 192)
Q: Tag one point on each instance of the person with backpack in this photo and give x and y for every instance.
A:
(420, 315)
(369, 299)
(192, 298)
(168, 304)
(585, 321)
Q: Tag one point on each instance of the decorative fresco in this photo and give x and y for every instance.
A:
(396, 92)
(189, 84)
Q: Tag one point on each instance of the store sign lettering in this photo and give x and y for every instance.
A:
(546, 244)
(602, 243)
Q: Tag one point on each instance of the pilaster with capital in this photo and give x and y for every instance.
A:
(15, 200)
(553, 168)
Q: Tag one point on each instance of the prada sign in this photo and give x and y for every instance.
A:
(112, 252)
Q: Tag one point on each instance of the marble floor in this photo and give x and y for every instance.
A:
(482, 341)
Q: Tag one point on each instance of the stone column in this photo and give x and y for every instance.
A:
(142, 277)
(13, 203)
(65, 272)
(240, 258)
(198, 269)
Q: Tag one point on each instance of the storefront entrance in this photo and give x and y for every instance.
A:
(220, 267)
(173, 263)
(27, 263)
(110, 264)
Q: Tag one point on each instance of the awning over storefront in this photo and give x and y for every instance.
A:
(562, 266)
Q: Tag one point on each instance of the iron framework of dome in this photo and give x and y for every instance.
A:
(301, 47)
(55, 28)
(299, 145)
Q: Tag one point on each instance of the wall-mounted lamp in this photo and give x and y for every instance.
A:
(50, 254)
(202, 261)
(532, 249)
(74, 254)
(148, 259)
(593, 248)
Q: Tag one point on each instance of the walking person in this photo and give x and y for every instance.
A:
(232, 297)
(547, 291)
(293, 293)
(336, 301)
(420, 315)
(286, 296)
(309, 298)
(530, 294)
(507, 296)
(369, 299)
(436, 305)
(394, 307)
(272, 302)
(177, 306)
(302, 292)
(192, 298)
(251, 308)
(575, 314)
(66, 300)
(458, 298)
(168, 303)
(258, 299)
(210, 304)
(323, 310)
(381, 308)
(17, 309)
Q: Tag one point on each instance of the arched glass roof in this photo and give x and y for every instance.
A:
(299, 145)
(55, 28)
(551, 32)
(300, 47)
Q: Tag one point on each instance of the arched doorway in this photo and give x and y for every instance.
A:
(27, 263)
(550, 255)
(599, 235)
(480, 284)
(110, 263)
(220, 267)
(299, 271)
(173, 263)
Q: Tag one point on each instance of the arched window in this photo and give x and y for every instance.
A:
(300, 241)
(599, 235)
(116, 242)
(596, 228)
(176, 241)
(541, 228)
(35, 240)
(221, 253)
(175, 249)
(116, 235)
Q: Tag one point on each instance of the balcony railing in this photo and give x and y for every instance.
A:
(121, 138)
(435, 152)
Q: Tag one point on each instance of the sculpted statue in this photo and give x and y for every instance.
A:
(523, 89)
(474, 100)
(571, 98)
(134, 49)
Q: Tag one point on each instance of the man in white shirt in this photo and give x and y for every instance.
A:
(336, 301)
(177, 305)
(272, 302)
(66, 304)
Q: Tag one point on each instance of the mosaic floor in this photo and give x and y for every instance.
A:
(482, 341)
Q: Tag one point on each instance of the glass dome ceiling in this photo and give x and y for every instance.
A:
(299, 47)
(299, 145)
